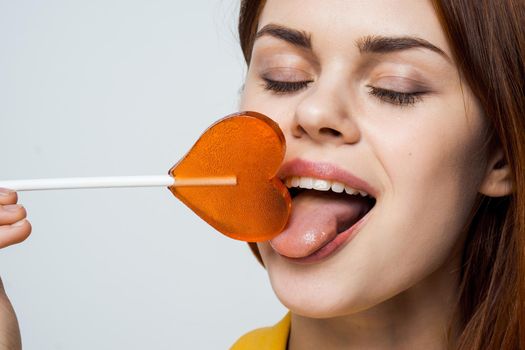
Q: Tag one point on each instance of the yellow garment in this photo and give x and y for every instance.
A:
(267, 338)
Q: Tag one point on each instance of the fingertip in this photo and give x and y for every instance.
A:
(29, 228)
(16, 233)
(8, 196)
(25, 232)
(23, 211)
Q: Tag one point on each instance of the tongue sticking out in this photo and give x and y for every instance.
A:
(316, 219)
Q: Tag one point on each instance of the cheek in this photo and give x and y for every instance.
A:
(441, 156)
(433, 168)
(254, 97)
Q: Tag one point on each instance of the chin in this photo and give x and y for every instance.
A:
(314, 308)
(318, 299)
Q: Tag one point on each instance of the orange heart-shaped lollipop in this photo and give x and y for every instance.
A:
(251, 147)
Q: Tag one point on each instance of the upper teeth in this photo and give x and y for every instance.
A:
(321, 185)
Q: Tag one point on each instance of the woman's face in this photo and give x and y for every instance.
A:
(368, 97)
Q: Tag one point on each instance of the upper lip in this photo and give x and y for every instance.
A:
(325, 171)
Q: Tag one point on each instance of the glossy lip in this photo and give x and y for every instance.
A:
(327, 171)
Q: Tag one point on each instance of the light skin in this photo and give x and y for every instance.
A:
(372, 87)
(401, 119)
(14, 228)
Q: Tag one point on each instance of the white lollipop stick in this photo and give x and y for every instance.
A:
(117, 181)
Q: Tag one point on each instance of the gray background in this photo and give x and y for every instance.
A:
(120, 87)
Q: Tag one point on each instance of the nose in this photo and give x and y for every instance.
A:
(323, 116)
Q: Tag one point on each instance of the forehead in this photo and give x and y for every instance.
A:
(338, 23)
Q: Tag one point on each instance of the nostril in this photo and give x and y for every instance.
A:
(329, 132)
(299, 131)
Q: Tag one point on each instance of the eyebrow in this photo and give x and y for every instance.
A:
(384, 44)
(367, 44)
(293, 36)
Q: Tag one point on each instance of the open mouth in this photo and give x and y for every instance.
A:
(335, 191)
(324, 214)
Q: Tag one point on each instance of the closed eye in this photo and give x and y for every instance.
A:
(390, 96)
(396, 97)
(283, 87)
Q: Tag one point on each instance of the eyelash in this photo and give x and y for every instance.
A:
(390, 96)
(395, 97)
(283, 87)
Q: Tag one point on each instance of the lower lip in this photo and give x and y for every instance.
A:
(333, 246)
